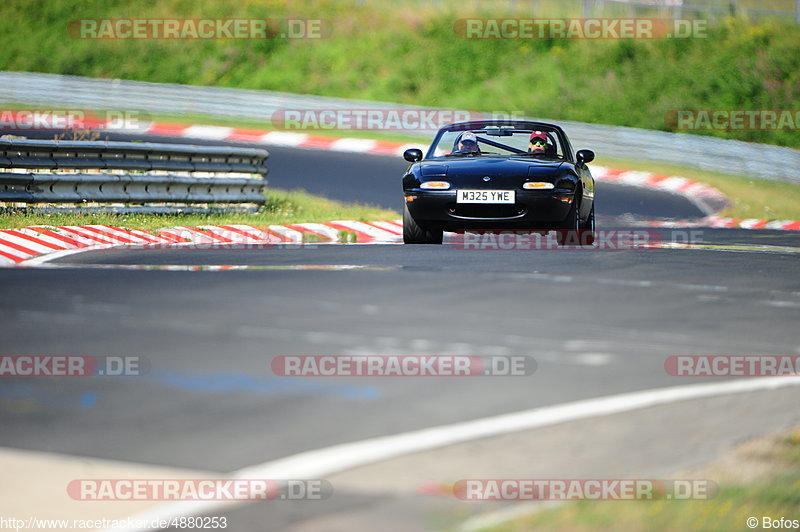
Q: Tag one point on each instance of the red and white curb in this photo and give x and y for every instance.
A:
(281, 138)
(729, 223)
(707, 198)
(38, 243)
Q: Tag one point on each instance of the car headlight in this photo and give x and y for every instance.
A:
(435, 185)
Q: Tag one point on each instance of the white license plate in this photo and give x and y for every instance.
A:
(485, 196)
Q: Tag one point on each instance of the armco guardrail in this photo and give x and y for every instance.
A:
(48, 171)
(707, 153)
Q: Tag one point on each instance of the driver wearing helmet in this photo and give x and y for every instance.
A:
(538, 143)
(468, 142)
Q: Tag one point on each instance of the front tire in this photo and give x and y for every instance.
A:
(587, 229)
(413, 233)
(568, 230)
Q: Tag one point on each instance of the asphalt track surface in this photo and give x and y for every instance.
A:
(598, 322)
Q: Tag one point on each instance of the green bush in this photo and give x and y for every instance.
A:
(413, 56)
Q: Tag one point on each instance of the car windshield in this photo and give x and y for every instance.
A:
(498, 142)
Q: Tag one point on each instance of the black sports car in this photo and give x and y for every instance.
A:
(496, 175)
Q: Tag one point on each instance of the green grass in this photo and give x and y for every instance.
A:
(283, 207)
(775, 495)
(750, 198)
(409, 53)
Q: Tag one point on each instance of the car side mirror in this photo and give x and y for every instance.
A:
(412, 155)
(584, 156)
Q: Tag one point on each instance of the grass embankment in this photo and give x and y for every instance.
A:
(750, 198)
(771, 488)
(283, 207)
(410, 53)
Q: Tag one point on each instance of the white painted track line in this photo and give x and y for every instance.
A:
(337, 458)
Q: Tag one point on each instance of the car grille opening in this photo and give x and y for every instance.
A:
(486, 211)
